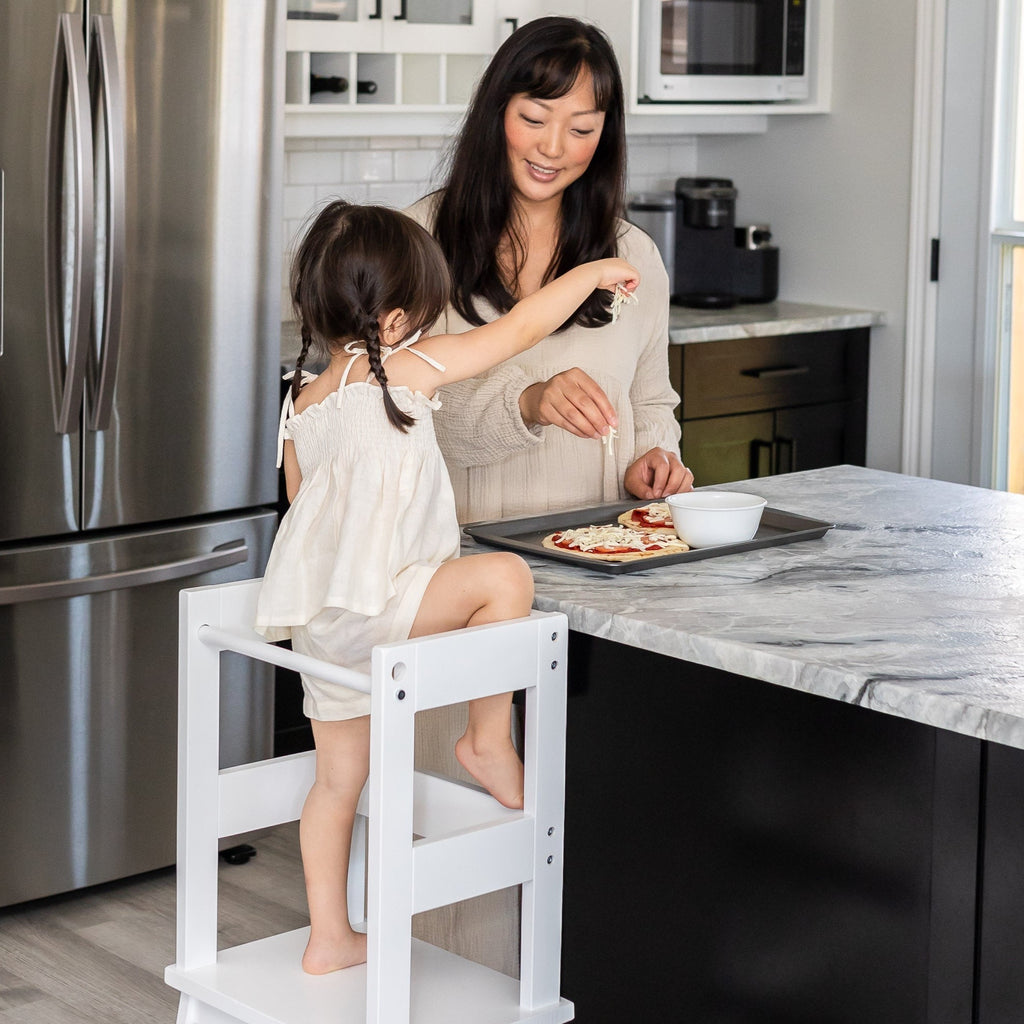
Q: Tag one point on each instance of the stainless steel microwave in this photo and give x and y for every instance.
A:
(723, 51)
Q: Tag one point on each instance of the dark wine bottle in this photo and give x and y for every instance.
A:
(366, 87)
(327, 83)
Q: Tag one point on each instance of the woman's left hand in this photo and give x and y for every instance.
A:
(657, 473)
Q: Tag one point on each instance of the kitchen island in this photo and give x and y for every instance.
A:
(794, 775)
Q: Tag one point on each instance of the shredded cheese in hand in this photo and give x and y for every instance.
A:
(619, 299)
(608, 440)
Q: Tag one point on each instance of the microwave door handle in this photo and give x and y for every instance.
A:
(105, 78)
(232, 553)
(69, 91)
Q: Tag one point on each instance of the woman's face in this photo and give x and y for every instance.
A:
(550, 143)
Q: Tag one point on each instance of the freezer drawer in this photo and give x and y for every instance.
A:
(88, 698)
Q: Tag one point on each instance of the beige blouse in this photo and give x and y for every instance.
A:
(501, 468)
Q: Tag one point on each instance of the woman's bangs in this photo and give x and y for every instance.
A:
(556, 75)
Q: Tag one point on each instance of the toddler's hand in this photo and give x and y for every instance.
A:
(614, 272)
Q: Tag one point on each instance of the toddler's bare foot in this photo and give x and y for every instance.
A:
(497, 768)
(322, 957)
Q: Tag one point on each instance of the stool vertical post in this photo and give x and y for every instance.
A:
(544, 760)
(390, 874)
(198, 764)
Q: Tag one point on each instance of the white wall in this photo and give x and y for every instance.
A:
(835, 189)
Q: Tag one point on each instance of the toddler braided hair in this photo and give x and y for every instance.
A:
(355, 265)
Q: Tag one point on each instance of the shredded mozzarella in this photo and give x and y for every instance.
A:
(619, 299)
(608, 440)
(587, 538)
(658, 513)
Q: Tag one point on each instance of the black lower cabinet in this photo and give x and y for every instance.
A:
(765, 443)
(1001, 921)
(753, 407)
(741, 853)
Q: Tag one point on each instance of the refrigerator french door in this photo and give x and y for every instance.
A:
(140, 183)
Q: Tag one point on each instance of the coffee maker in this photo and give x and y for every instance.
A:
(715, 263)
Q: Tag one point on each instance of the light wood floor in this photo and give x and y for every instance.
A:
(97, 956)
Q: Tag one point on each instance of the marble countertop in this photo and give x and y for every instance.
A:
(913, 605)
(686, 326)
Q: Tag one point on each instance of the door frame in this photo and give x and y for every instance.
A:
(948, 428)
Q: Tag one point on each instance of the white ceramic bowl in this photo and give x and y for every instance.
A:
(704, 518)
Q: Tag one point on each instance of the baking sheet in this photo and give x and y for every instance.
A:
(525, 536)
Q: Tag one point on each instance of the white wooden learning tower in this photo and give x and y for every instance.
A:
(466, 844)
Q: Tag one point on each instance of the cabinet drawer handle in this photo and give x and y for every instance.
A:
(776, 371)
(785, 445)
(757, 449)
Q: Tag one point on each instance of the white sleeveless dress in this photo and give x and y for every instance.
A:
(373, 518)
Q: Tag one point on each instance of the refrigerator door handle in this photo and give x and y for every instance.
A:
(3, 206)
(105, 88)
(69, 90)
(231, 553)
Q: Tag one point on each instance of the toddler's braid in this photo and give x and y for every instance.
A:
(307, 340)
(400, 419)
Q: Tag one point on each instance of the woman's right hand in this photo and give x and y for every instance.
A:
(571, 400)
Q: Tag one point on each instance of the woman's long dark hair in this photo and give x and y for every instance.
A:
(354, 264)
(543, 59)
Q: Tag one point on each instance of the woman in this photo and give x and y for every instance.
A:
(535, 186)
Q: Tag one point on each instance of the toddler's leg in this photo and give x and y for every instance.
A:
(325, 835)
(472, 591)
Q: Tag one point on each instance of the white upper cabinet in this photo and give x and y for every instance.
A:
(418, 61)
(415, 60)
(435, 26)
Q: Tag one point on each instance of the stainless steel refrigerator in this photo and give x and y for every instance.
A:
(140, 182)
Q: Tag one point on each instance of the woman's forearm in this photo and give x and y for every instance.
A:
(480, 423)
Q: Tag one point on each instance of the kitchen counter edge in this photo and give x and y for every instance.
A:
(769, 319)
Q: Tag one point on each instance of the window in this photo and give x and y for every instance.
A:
(1007, 254)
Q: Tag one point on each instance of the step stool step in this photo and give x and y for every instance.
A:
(262, 982)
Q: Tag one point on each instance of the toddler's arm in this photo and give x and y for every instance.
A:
(292, 473)
(528, 322)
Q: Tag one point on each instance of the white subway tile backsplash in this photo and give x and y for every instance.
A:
(683, 152)
(298, 200)
(367, 165)
(397, 195)
(394, 142)
(647, 160)
(344, 142)
(312, 167)
(354, 193)
(415, 165)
